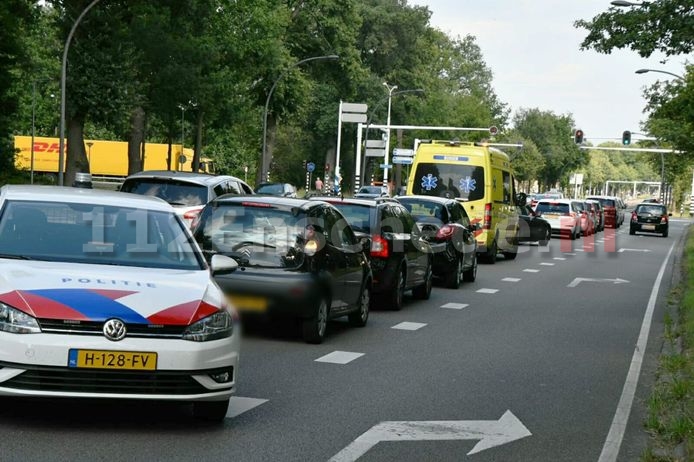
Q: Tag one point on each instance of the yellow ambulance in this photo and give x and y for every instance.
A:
(481, 178)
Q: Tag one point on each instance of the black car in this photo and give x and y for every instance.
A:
(533, 227)
(650, 217)
(297, 259)
(276, 189)
(446, 226)
(400, 258)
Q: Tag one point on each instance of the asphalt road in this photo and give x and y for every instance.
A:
(537, 349)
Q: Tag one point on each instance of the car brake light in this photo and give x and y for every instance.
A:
(487, 216)
(192, 214)
(572, 214)
(663, 220)
(379, 247)
(634, 217)
(445, 232)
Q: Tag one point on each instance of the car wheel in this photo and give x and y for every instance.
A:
(544, 242)
(632, 231)
(212, 411)
(511, 255)
(471, 274)
(665, 234)
(575, 235)
(423, 292)
(359, 317)
(314, 327)
(398, 292)
(453, 278)
(490, 256)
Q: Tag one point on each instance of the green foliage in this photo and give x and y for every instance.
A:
(665, 25)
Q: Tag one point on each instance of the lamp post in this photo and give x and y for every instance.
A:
(373, 111)
(625, 3)
(33, 126)
(264, 161)
(63, 72)
(183, 133)
(643, 71)
(390, 97)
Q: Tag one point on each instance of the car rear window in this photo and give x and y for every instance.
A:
(462, 181)
(651, 210)
(605, 202)
(358, 216)
(552, 207)
(172, 191)
(254, 235)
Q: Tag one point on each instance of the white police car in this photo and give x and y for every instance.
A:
(106, 295)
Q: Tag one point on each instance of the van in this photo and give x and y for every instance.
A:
(481, 178)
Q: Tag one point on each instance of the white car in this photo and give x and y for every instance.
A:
(106, 295)
(563, 215)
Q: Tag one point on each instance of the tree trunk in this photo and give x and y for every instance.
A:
(198, 141)
(76, 158)
(136, 141)
(265, 162)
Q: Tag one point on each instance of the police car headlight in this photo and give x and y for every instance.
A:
(213, 327)
(17, 322)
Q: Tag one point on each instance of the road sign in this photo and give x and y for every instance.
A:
(375, 144)
(386, 166)
(354, 107)
(353, 117)
(402, 160)
(375, 152)
(493, 130)
(310, 167)
(403, 152)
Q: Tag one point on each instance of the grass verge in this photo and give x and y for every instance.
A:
(670, 418)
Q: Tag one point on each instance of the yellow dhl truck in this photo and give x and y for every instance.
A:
(106, 158)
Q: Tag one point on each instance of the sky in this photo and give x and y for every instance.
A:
(533, 51)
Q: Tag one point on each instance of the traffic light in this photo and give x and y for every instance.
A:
(626, 138)
(578, 136)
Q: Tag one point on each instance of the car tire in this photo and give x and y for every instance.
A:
(490, 255)
(454, 277)
(471, 274)
(314, 327)
(398, 292)
(360, 316)
(548, 235)
(575, 235)
(423, 292)
(211, 411)
(665, 234)
(632, 231)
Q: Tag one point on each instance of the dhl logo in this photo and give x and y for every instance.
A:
(40, 146)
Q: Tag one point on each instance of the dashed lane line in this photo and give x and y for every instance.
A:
(238, 405)
(409, 326)
(455, 306)
(511, 279)
(487, 291)
(339, 357)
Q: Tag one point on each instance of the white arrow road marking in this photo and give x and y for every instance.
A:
(491, 433)
(455, 306)
(238, 405)
(339, 357)
(577, 281)
(633, 250)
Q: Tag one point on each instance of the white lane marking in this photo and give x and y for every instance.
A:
(546, 264)
(610, 449)
(487, 291)
(491, 433)
(455, 306)
(570, 253)
(528, 270)
(409, 326)
(559, 258)
(511, 279)
(339, 357)
(238, 405)
(633, 250)
(580, 250)
(577, 281)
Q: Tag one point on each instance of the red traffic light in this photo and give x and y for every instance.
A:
(578, 136)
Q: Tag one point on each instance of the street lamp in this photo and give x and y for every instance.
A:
(89, 153)
(63, 72)
(390, 97)
(265, 162)
(624, 3)
(373, 111)
(643, 71)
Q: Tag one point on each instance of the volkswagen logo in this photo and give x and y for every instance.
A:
(114, 329)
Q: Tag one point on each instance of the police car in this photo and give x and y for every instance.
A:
(106, 295)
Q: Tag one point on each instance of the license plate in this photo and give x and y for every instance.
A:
(648, 227)
(248, 303)
(106, 359)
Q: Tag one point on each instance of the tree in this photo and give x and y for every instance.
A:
(665, 25)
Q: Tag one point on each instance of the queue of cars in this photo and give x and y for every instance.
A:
(131, 297)
(573, 218)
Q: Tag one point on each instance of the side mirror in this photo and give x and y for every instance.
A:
(521, 199)
(222, 264)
